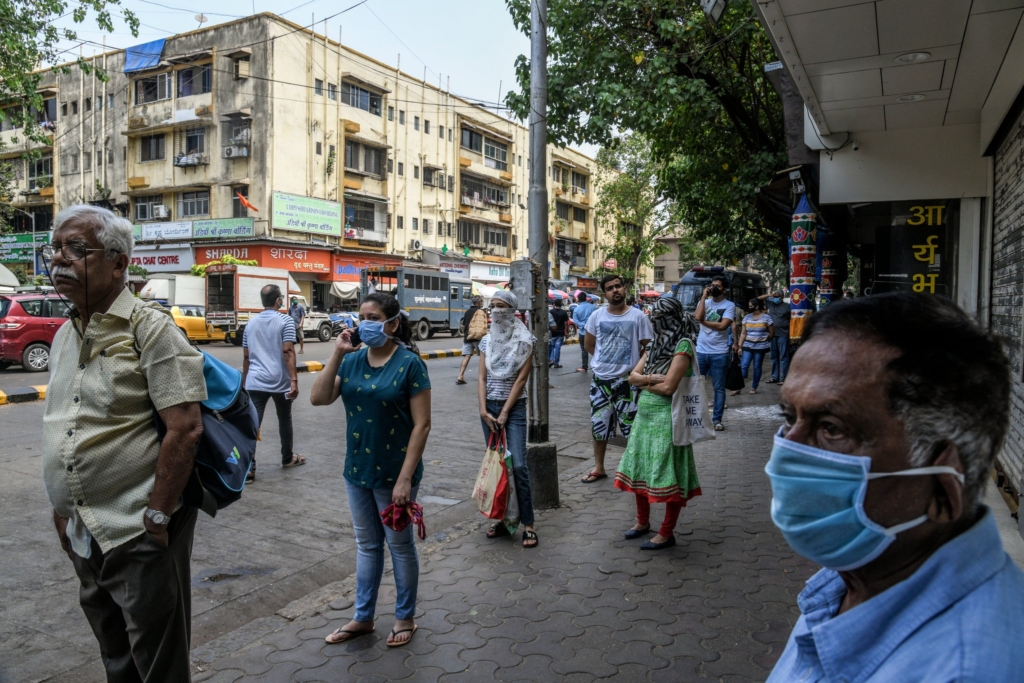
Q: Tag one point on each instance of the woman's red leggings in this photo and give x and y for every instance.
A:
(643, 514)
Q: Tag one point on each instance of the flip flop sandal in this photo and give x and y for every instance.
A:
(498, 530)
(349, 635)
(530, 536)
(592, 477)
(297, 461)
(396, 633)
(460, 381)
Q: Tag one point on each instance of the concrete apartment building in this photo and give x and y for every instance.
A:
(344, 160)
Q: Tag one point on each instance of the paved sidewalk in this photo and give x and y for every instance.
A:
(585, 605)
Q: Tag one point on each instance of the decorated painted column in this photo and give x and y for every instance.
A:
(802, 266)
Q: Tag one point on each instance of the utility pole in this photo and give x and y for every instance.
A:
(542, 456)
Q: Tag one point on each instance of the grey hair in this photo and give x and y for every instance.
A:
(949, 384)
(112, 231)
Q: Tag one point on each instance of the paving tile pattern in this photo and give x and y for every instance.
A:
(586, 604)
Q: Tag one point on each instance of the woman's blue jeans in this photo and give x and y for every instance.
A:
(515, 433)
(757, 356)
(366, 506)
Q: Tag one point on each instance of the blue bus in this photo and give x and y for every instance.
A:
(434, 300)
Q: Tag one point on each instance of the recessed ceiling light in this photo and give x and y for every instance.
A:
(913, 57)
(911, 98)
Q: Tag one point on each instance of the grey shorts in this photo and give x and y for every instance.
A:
(468, 347)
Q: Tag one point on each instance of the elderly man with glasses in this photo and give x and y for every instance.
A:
(894, 410)
(115, 487)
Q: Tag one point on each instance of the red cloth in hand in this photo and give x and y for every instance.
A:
(398, 518)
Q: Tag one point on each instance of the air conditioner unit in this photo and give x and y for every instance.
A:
(415, 245)
(161, 211)
(235, 151)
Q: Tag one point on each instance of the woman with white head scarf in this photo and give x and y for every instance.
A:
(505, 354)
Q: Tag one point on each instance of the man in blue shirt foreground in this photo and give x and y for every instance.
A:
(894, 410)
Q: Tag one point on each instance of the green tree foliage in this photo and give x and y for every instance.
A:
(29, 39)
(696, 91)
(8, 186)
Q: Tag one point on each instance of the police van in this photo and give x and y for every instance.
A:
(742, 287)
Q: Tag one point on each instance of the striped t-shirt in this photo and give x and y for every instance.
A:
(264, 337)
(498, 389)
(757, 332)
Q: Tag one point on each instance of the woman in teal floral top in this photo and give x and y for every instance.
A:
(386, 391)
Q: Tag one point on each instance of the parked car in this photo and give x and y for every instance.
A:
(191, 320)
(28, 323)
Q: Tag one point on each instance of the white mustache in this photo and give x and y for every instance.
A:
(64, 271)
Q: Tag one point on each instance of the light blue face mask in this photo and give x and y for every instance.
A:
(818, 504)
(371, 332)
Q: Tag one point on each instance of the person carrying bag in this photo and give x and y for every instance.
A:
(691, 413)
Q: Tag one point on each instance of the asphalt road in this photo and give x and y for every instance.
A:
(289, 535)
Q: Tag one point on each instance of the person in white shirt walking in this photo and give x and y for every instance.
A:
(615, 338)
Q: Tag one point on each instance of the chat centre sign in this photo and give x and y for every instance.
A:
(305, 214)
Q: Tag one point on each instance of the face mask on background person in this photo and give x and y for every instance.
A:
(371, 332)
(774, 299)
(818, 504)
(716, 291)
(502, 315)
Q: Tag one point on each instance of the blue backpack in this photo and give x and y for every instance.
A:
(228, 446)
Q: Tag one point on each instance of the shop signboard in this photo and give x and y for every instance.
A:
(296, 259)
(912, 254)
(586, 282)
(490, 272)
(19, 247)
(347, 268)
(447, 263)
(611, 264)
(159, 258)
(305, 214)
(173, 230)
(221, 228)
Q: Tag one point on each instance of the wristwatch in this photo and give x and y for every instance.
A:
(157, 517)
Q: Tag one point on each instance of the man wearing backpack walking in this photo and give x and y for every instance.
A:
(268, 369)
(113, 486)
(474, 327)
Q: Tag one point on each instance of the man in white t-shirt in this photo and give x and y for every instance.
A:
(615, 338)
(716, 315)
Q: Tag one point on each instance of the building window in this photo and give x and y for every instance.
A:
(144, 206)
(318, 87)
(352, 155)
(401, 168)
(319, 148)
(391, 113)
(195, 140)
(520, 160)
(110, 155)
(194, 204)
(372, 157)
(110, 100)
(196, 80)
(401, 117)
(449, 134)
(391, 165)
(426, 126)
(482, 195)
(87, 161)
(659, 273)
(440, 132)
(357, 97)
(63, 109)
(332, 91)
(483, 237)
(416, 172)
(88, 104)
(401, 223)
(579, 182)
(99, 103)
(74, 107)
(150, 89)
(426, 226)
(415, 123)
(573, 252)
(495, 154)
(99, 157)
(40, 173)
(238, 210)
(579, 215)
(472, 140)
(451, 183)
(449, 230)
(428, 176)
(415, 224)
(365, 217)
(562, 211)
(241, 68)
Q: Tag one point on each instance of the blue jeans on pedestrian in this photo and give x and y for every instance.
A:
(716, 365)
(555, 350)
(366, 506)
(584, 354)
(757, 356)
(780, 356)
(515, 435)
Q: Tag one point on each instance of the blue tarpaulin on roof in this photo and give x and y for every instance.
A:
(144, 56)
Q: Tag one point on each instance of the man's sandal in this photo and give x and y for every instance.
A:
(340, 635)
(296, 461)
(497, 530)
(592, 477)
(391, 638)
(529, 536)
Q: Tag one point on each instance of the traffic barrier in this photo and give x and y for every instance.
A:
(23, 395)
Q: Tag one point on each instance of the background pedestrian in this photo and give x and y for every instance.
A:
(386, 393)
(557, 321)
(779, 345)
(616, 336)
(584, 309)
(474, 327)
(716, 314)
(298, 313)
(653, 468)
(754, 340)
(268, 370)
(505, 367)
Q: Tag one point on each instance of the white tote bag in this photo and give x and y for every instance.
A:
(691, 417)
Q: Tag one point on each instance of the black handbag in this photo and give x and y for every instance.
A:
(734, 376)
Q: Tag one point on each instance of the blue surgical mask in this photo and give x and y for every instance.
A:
(818, 504)
(371, 332)
(774, 299)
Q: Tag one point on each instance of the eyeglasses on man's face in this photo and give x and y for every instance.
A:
(72, 251)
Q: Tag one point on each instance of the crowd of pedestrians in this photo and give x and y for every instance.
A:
(893, 410)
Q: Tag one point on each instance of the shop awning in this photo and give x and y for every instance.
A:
(345, 290)
(142, 57)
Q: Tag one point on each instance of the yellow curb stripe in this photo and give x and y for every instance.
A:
(3, 398)
(314, 365)
(42, 391)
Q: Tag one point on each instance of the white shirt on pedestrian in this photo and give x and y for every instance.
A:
(617, 348)
(264, 337)
(715, 341)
